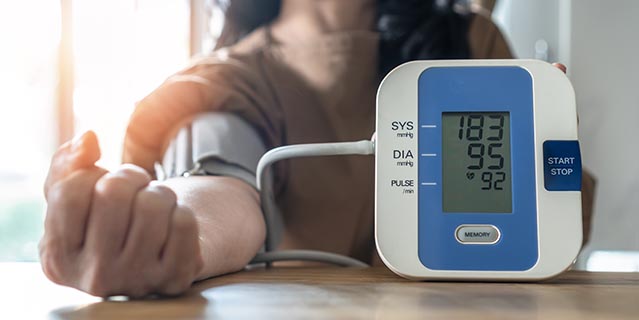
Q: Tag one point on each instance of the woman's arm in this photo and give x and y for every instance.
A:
(119, 233)
(229, 218)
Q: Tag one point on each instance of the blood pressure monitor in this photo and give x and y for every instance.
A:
(477, 173)
(478, 170)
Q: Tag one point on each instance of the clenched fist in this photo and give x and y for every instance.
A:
(115, 233)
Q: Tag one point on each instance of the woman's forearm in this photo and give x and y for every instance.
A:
(229, 217)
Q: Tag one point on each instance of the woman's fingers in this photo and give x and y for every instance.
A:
(560, 66)
(181, 257)
(67, 210)
(109, 217)
(150, 223)
(68, 206)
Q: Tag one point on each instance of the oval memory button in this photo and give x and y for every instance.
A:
(477, 234)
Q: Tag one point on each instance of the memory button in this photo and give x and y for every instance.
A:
(477, 234)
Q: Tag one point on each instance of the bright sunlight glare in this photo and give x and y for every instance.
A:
(123, 50)
(29, 37)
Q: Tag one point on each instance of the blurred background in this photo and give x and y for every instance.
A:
(67, 66)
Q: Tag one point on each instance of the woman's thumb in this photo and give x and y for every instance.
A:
(80, 153)
(84, 151)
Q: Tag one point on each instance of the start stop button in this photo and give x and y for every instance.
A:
(562, 165)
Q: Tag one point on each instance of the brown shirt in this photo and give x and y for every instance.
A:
(322, 90)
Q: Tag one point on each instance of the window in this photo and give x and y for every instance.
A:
(28, 72)
(122, 50)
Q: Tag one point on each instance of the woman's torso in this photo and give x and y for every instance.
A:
(320, 90)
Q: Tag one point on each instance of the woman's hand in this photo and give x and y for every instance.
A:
(115, 233)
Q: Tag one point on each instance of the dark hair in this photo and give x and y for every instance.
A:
(409, 29)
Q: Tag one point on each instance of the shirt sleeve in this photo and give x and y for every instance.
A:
(215, 143)
(220, 82)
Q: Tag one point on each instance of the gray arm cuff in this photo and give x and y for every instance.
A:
(215, 144)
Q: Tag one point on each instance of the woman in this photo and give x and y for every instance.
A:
(295, 71)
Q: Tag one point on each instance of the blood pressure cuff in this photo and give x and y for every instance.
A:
(214, 143)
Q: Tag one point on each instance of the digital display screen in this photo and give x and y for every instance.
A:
(476, 160)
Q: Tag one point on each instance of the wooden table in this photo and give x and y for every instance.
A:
(333, 293)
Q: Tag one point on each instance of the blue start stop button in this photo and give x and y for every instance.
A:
(562, 165)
